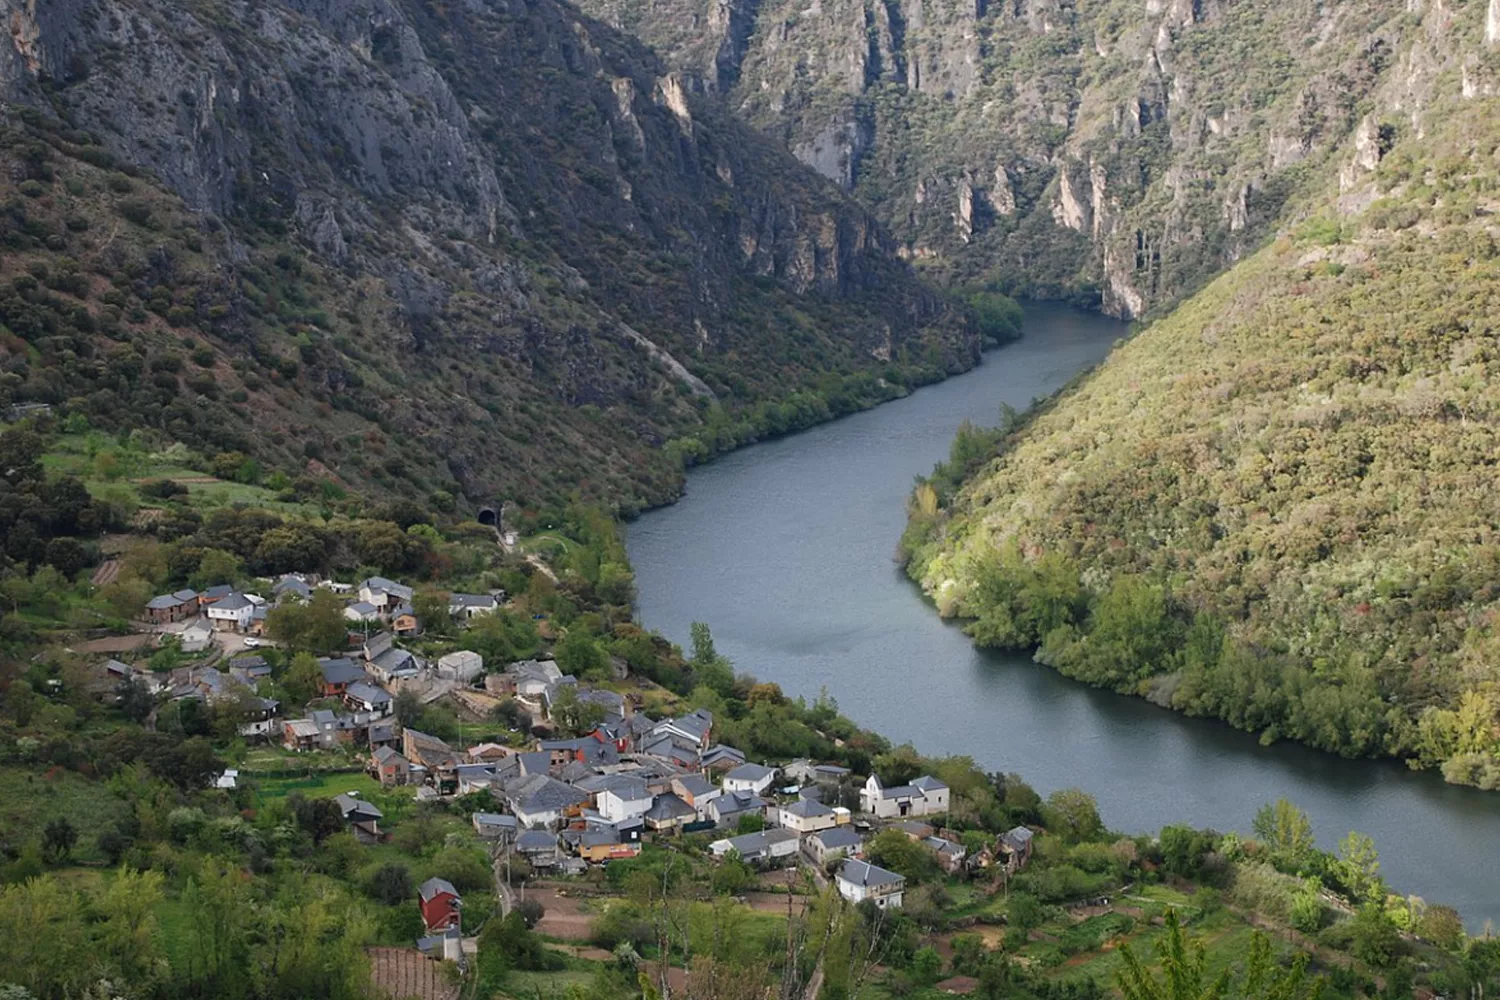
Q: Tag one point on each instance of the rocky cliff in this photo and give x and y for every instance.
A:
(1123, 150)
(501, 239)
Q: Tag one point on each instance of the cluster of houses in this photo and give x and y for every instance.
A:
(570, 803)
(363, 682)
(194, 615)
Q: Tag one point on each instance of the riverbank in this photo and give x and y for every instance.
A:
(787, 550)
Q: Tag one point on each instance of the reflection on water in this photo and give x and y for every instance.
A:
(786, 550)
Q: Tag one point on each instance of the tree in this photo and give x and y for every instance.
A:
(318, 818)
(1286, 832)
(215, 567)
(1358, 867)
(709, 668)
(1073, 815)
(408, 707)
(899, 766)
(574, 715)
(135, 700)
(431, 609)
(578, 654)
(58, 838)
(1373, 937)
(316, 626)
(1183, 973)
(304, 679)
(390, 884)
(128, 936)
(893, 850)
(926, 966)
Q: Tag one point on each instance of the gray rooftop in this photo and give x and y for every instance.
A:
(865, 874)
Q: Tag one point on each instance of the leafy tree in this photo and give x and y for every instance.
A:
(318, 818)
(1373, 937)
(580, 655)
(893, 850)
(314, 626)
(1073, 815)
(1183, 973)
(58, 838)
(926, 966)
(390, 884)
(304, 679)
(1286, 832)
(1358, 867)
(710, 669)
(431, 609)
(574, 715)
(135, 701)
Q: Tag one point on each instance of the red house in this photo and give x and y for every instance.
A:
(440, 905)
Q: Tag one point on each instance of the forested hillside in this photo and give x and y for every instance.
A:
(1277, 506)
(469, 249)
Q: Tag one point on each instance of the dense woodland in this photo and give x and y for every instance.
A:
(1274, 507)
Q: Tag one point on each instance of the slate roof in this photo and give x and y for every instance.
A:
(927, 783)
(341, 670)
(668, 807)
(363, 608)
(435, 887)
(367, 692)
(495, 819)
(351, 805)
(865, 874)
(385, 754)
(536, 840)
(233, 602)
(750, 772)
(162, 602)
(695, 784)
(389, 586)
(943, 845)
(753, 845)
(538, 792)
(807, 808)
(839, 836)
(216, 592)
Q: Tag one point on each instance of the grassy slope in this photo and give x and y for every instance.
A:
(1305, 452)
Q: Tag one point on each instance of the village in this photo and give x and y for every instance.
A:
(560, 805)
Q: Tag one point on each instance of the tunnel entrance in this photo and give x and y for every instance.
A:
(488, 516)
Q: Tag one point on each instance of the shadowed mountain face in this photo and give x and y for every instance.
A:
(478, 247)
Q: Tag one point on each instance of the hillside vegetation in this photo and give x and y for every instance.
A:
(1276, 506)
(419, 248)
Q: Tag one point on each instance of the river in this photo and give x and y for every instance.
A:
(786, 550)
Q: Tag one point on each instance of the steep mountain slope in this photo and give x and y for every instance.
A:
(484, 248)
(1277, 505)
(1121, 150)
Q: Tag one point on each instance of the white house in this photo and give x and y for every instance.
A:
(383, 593)
(196, 635)
(806, 816)
(767, 845)
(361, 611)
(860, 880)
(752, 778)
(925, 796)
(840, 842)
(463, 666)
(232, 612)
(624, 797)
(466, 606)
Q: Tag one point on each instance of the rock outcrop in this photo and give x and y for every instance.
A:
(527, 209)
(1251, 99)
